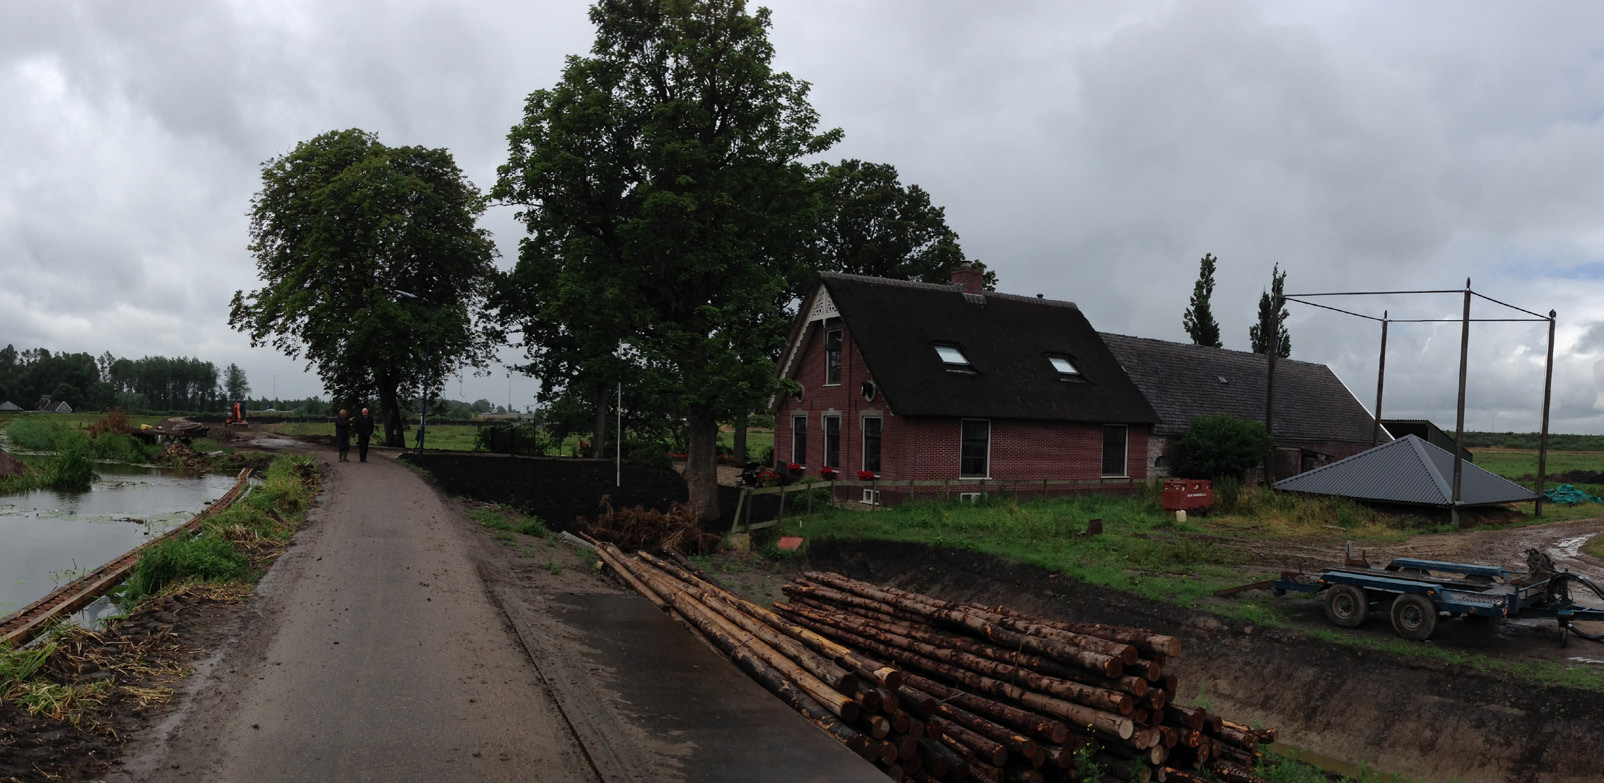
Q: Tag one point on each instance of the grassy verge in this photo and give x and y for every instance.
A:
(507, 521)
(1142, 550)
(237, 543)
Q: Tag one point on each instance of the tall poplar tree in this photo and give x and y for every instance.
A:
(667, 207)
(1199, 318)
(1272, 318)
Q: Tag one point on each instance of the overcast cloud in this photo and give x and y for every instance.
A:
(1087, 151)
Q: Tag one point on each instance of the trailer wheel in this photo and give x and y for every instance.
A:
(1414, 616)
(1347, 606)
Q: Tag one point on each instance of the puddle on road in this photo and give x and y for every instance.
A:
(1571, 547)
(48, 538)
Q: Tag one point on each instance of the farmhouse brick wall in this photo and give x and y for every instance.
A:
(927, 448)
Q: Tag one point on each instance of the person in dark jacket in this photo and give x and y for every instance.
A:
(364, 433)
(342, 434)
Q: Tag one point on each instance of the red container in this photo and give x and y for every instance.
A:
(1186, 495)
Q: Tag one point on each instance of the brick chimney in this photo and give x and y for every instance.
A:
(967, 279)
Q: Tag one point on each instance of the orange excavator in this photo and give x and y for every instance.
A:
(236, 414)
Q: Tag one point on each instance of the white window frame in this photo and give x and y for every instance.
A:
(803, 418)
(961, 474)
(824, 435)
(871, 497)
(863, 439)
(1125, 459)
(840, 356)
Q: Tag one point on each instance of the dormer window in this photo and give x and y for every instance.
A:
(1065, 367)
(953, 357)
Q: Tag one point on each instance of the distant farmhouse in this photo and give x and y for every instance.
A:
(923, 381)
(8, 407)
(1317, 419)
(46, 405)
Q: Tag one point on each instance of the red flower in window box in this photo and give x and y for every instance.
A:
(828, 474)
(794, 468)
(868, 475)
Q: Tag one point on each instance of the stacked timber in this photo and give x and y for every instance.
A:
(931, 690)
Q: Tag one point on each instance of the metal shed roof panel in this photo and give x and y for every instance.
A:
(1407, 470)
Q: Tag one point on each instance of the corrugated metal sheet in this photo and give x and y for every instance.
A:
(1407, 470)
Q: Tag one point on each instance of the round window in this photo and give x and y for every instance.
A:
(869, 391)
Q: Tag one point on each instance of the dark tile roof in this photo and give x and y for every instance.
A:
(1407, 470)
(1184, 381)
(896, 325)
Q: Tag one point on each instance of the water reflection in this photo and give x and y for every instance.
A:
(47, 538)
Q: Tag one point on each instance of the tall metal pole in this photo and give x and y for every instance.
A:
(618, 438)
(1548, 394)
(1459, 426)
(1381, 376)
(1269, 396)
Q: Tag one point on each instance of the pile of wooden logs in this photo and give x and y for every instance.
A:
(932, 690)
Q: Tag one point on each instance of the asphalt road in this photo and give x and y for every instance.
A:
(371, 652)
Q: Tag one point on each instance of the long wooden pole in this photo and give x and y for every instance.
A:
(1459, 426)
(1548, 395)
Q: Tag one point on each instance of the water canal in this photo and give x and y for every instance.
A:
(48, 538)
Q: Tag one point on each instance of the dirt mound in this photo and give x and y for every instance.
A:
(11, 466)
(557, 490)
(1568, 477)
(1411, 716)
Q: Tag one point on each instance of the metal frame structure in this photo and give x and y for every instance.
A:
(1464, 363)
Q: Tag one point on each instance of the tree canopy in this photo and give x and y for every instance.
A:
(1199, 317)
(667, 209)
(1272, 318)
(372, 267)
(871, 224)
(235, 387)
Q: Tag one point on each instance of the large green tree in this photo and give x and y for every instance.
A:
(1272, 318)
(373, 268)
(235, 386)
(667, 208)
(1199, 317)
(874, 225)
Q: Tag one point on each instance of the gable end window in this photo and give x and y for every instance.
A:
(1115, 437)
(974, 451)
(799, 439)
(832, 358)
(1064, 365)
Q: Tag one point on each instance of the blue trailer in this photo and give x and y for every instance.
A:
(1416, 593)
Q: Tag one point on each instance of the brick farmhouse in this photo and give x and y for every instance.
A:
(928, 382)
(919, 381)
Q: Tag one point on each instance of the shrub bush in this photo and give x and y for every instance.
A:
(1227, 492)
(208, 557)
(74, 467)
(1222, 445)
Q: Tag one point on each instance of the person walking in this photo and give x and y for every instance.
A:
(364, 433)
(342, 434)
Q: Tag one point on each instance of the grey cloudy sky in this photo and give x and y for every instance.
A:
(1087, 151)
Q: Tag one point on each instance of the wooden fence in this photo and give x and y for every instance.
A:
(882, 494)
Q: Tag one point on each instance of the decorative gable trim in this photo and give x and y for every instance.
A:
(823, 308)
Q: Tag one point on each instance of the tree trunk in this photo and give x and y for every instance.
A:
(390, 414)
(739, 447)
(598, 438)
(701, 465)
